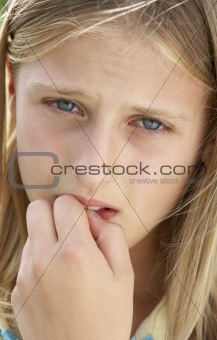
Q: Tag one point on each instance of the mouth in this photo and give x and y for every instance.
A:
(103, 209)
(104, 212)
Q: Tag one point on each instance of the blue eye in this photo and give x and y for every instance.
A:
(151, 124)
(65, 105)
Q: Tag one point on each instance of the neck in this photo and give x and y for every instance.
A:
(149, 275)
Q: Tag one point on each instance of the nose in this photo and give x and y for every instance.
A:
(95, 156)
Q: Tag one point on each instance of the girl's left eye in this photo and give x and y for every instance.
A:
(151, 126)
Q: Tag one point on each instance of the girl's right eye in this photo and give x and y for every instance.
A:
(63, 107)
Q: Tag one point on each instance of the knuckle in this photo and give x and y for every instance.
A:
(62, 200)
(128, 279)
(39, 266)
(66, 253)
(129, 272)
(21, 279)
(73, 253)
(36, 206)
(14, 296)
(117, 228)
(116, 232)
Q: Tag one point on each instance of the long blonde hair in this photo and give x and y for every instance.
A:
(186, 32)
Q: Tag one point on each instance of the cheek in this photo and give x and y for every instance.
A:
(33, 131)
(38, 142)
(35, 169)
(156, 198)
(153, 194)
(38, 132)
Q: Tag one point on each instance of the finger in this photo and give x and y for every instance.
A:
(40, 223)
(25, 261)
(110, 239)
(71, 221)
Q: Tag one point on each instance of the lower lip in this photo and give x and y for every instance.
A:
(106, 214)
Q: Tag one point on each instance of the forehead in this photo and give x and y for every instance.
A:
(105, 66)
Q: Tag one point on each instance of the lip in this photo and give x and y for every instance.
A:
(94, 202)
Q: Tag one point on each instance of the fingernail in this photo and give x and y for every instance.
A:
(93, 214)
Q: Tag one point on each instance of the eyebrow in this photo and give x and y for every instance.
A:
(145, 110)
(152, 111)
(40, 87)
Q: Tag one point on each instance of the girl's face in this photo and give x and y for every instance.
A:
(105, 92)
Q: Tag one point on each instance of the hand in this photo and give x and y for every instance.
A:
(79, 276)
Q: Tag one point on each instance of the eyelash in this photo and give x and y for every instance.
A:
(166, 129)
(156, 132)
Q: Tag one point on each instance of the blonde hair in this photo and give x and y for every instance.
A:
(186, 32)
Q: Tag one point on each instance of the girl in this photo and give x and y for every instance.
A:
(78, 78)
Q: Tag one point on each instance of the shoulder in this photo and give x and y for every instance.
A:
(5, 332)
(155, 325)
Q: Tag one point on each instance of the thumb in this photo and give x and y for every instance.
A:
(110, 239)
